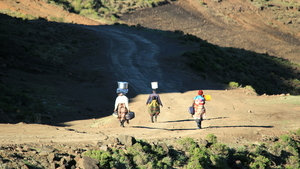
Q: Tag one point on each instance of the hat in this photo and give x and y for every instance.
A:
(200, 92)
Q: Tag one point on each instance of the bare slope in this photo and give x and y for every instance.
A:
(233, 23)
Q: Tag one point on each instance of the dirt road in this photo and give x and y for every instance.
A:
(139, 57)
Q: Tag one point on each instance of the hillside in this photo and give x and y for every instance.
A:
(232, 23)
(77, 77)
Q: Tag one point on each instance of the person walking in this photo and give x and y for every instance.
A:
(154, 103)
(121, 105)
(199, 109)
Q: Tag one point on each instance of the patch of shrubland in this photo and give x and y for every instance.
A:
(262, 72)
(17, 14)
(38, 41)
(109, 10)
(18, 106)
(280, 12)
(192, 153)
(35, 47)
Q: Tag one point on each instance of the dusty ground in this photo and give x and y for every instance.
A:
(234, 116)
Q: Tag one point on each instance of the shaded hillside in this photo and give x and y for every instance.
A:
(31, 53)
(42, 47)
(252, 53)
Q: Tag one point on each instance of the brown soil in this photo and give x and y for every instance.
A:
(234, 116)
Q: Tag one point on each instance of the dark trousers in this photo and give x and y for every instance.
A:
(154, 116)
(198, 122)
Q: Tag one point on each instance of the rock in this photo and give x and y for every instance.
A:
(165, 148)
(104, 147)
(126, 140)
(87, 163)
(51, 157)
(52, 165)
(203, 142)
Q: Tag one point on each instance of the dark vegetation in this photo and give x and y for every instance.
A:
(35, 47)
(185, 153)
(189, 153)
(264, 73)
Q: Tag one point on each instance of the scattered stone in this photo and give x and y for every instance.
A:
(126, 140)
(51, 157)
(165, 148)
(104, 147)
(87, 163)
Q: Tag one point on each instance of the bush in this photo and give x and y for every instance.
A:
(104, 157)
(188, 154)
(188, 144)
(298, 132)
(211, 138)
(260, 162)
(233, 84)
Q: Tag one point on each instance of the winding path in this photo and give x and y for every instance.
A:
(137, 55)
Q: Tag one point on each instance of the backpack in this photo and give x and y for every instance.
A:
(153, 104)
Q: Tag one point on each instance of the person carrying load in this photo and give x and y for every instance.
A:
(153, 103)
(122, 107)
(199, 109)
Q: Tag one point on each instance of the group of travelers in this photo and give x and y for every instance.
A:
(154, 102)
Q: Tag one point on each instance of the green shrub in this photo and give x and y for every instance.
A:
(292, 150)
(276, 148)
(260, 162)
(189, 154)
(233, 84)
(211, 138)
(168, 161)
(178, 157)
(140, 159)
(219, 162)
(120, 159)
(188, 144)
(194, 164)
(293, 162)
(298, 132)
(104, 157)
(249, 87)
(288, 140)
(219, 150)
(200, 155)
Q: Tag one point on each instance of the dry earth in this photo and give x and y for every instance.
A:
(234, 116)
